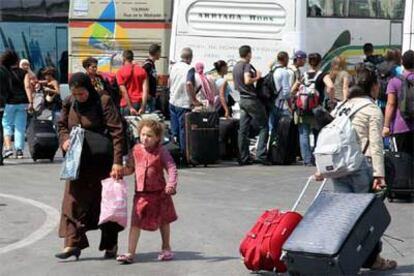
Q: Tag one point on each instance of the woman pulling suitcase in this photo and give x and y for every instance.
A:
(367, 122)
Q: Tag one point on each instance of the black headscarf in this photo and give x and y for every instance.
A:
(82, 80)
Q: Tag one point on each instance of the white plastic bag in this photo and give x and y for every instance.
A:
(71, 164)
(114, 202)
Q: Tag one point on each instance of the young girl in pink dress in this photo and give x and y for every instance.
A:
(153, 207)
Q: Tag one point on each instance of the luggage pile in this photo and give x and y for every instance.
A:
(334, 237)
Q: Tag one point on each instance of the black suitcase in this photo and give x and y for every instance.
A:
(202, 138)
(282, 148)
(175, 152)
(162, 103)
(228, 137)
(42, 139)
(399, 175)
(337, 234)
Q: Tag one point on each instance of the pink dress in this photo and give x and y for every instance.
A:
(152, 206)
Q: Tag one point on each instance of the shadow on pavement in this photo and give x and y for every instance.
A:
(401, 270)
(152, 257)
(181, 256)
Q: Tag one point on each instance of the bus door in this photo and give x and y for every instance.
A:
(61, 45)
(396, 30)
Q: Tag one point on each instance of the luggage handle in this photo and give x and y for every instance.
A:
(393, 144)
(304, 190)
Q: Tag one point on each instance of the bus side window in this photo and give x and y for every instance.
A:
(391, 9)
(11, 11)
(328, 8)
(363, 8)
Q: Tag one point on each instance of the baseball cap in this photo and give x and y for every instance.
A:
(299, 54)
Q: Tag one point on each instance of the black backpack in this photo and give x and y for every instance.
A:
(406, 99)
(385, 72)
(5, 85)
(266, 87)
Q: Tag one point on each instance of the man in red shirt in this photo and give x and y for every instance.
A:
(133, 83)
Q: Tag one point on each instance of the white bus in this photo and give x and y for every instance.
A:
(408, 37)
(215, 29)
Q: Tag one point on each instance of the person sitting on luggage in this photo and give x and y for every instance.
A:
(252, 110)
(52, 93)
(394, 123)
(367, 123)
(153, 207)
(224, 89)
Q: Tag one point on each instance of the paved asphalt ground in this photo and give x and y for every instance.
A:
(216, 206)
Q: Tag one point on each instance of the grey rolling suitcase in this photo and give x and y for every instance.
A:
(337, 234)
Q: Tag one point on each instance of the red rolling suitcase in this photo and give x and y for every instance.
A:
(261, 249)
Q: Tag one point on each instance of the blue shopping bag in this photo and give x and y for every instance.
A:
(71, 164)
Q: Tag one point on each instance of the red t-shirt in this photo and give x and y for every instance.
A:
(132, 81)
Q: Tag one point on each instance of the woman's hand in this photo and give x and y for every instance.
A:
(66, 145)
(227, 115)
(378, 184)
(30, 108)
(317, 175)
(386, 132)
(141, 111)
(169, 190)
(117, 171)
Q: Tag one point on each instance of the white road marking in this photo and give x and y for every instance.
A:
(52, 218)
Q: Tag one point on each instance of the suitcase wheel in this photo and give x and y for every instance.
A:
(52, 159)
(205, 165)
(34, 159)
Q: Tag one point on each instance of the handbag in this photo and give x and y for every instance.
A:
(98, 145)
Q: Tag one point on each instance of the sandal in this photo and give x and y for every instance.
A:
(165, 255)
(382, 264)
(125, 259)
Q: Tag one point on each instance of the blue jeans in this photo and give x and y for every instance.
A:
(178, 124)
(357, 182)
(150, 107)
(15, 120)
(304, 142)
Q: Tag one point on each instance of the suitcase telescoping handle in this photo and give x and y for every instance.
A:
(393, 144)
(302, 193)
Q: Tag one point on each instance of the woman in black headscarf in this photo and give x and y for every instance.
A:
(82, 197)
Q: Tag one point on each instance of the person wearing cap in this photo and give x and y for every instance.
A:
(299, 60)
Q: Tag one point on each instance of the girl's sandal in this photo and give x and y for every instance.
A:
(165, 255)
(125, 259)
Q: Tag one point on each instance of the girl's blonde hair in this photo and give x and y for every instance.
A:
(154, 125)
(338, 64)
